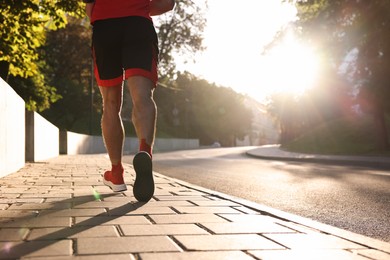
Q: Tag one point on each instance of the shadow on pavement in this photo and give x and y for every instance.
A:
(17, 249)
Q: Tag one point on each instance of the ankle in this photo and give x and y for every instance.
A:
(145, 147)
(117, 168)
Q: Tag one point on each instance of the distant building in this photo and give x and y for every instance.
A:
(264, 129)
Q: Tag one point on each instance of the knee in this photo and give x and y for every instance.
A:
(143, 102)
(112, 106)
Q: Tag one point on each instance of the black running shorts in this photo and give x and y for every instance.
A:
(124, 47)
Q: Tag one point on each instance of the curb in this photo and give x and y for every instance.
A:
(376, 162)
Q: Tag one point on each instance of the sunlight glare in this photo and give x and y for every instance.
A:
(235, 41)
(290, 67)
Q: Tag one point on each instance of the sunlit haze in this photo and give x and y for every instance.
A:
(235, 36)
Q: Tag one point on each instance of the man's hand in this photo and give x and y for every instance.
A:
(158, 7)
(88, 9)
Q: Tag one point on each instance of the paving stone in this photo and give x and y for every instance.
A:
(217, 203)
(137, 244)
(10, 250)
(90, 257)
(13, 234)
(168, 185)
(17, 200)
(312, 241)
(200, 210)
(39, 206)
(317, 254)
(73, 212)
(162, 229)
(103, 204)
(80, 200)
(295, 226)
(11, 180)
(46, 195)
(4, 206)
(222, 255)
(117, 198)
(38, 222)
(175, 198)
(159, 192)
(247, 218)
(93, 221)
(179, 203)
(181, 191)
(227, 242)
(186, 218)
(17, 213)
(61, 190)
(4, 196)
(40, 190)
(47, 181)
(246, 210)
(246, 228)
(140, 211)
(373, 254)
(72, 232)
(13, 190)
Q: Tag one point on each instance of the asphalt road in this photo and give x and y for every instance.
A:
(348, 197)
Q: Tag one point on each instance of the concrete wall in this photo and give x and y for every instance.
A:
(172, 144)
(12, 130)
(42, 138)
(27, 136)
(73, 143)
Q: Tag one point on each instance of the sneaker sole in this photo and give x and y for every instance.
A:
(144, 184)
(115, 187)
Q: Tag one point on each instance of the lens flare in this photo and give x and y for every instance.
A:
(22, 232)
(96, 194)
(7, 247)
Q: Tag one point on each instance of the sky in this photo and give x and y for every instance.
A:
(235, 35)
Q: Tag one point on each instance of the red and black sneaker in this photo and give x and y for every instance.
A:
(115, 180)
(144, 184)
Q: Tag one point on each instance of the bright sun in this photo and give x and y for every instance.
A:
(233, 57)
(291, 67)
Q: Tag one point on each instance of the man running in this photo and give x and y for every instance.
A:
(124, 47)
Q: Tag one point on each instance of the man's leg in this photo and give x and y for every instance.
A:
(112, 127)
(113, 135)
(144, 121)
(144, 110)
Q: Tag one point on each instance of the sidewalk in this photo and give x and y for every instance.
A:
(59, 209)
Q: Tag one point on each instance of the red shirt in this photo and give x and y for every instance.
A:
(105, 9)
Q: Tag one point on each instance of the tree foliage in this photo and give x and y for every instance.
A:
(180, 33)
(23, 26)
(338, 28)
(22, 30)
(68, 55)
(199, 109)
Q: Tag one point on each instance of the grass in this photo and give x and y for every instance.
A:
(340, 137)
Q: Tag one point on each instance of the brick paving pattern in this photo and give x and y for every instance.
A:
(60, 209)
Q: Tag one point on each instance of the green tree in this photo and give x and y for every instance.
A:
(199, 109)
(337, 27)
(47, 66)
(23, 26)
(180, 33)
(68, 55)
